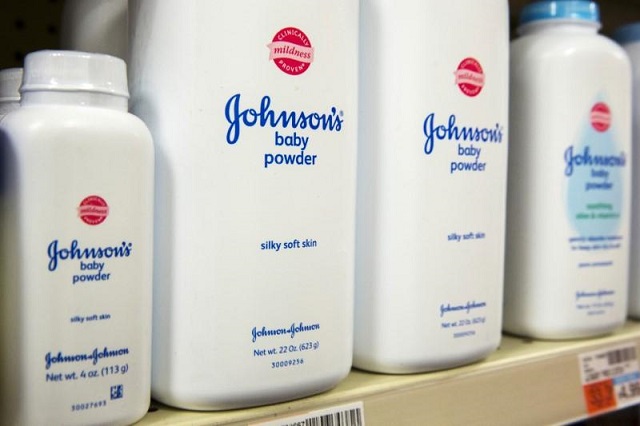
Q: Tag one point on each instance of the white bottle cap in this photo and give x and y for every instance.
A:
(10, 80)
(71, 71)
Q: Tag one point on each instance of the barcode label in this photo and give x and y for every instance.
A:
(621, 355)
(610, 378)
(344, 415)
(344, 418)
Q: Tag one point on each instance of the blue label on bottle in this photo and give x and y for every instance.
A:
(594, 168)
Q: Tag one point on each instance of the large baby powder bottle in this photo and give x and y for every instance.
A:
(76, 210)
(569, 175)
(432, 183)
(629, 37)
(10, 81)
(95, 26)
(252, 105)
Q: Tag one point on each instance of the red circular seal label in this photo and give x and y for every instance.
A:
(291, 51)
(470, 77)
(600, 117)
(93, 210)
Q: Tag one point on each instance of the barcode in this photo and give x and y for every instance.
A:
(343, 418)
(343, 415)
(621, 355)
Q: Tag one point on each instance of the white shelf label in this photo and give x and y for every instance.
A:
(610, 378)
(343, 415)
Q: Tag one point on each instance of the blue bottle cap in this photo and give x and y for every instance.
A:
(581, 10)
(627, 33)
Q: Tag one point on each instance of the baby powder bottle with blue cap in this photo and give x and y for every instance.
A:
(76, 213)
(10, 80)
(569, 202)
(629, 37)
(432, 183)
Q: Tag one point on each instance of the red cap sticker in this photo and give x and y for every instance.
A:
(601, 117)
(470, 77)
(291, 51)
(93, 210)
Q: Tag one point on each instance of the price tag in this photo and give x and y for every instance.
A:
(610, 378)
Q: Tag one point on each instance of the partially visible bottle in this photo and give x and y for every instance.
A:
(76, 215)
(95, 26)
(629, 37)
(10, 80)
(432, 183)
(567, 264)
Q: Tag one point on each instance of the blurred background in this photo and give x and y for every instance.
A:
(28, 25)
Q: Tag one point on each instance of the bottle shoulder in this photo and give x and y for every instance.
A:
(54, 120)
(543, 50)
(559, 42)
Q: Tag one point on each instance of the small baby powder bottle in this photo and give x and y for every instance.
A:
(76, 210)
(10, 80)
(569, 198)
(629, 37)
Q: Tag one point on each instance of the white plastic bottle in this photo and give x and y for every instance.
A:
(629, 37)
(569, 175)
(432, 183)
(10, 80)
(252, 105)
(76, 244)
(95, 26)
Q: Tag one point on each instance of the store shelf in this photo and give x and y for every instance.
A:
(524, 382)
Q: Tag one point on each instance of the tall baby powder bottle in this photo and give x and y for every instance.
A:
(255, 134)
(432, 183)
(629, 37)
(95, 26)
(76, 245)
(569, 175)
(10, 81)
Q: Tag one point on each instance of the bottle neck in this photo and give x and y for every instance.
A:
(75, 98)
(559, 26)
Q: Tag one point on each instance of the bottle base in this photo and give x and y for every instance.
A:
(562, 333)
(422, 364)
(217, 400)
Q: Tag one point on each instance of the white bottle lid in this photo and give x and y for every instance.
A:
(10, 80)
(71, 71)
